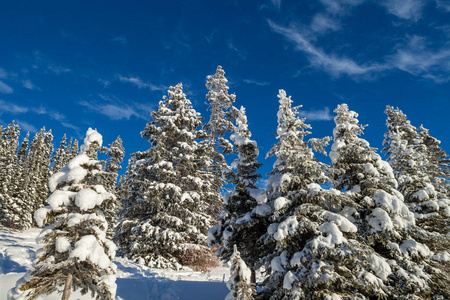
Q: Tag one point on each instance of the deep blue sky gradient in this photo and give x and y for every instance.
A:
(70, 65)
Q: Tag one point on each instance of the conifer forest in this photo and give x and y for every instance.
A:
(362, 223)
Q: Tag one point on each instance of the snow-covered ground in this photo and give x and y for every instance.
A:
(17, 252)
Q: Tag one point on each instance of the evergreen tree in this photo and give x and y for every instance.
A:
(165, 218)
(60, 158)
(221, 122)
(223, 113)
(239, 283)
(76, 252)
(116, 152)
(438, 164)
(309, 250)
(73, 146)
(237, 225)
(37, 169)
(419, 175)
(8, 159)
(20, 210)
(383, 221)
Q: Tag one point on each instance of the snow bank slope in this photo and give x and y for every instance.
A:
(17, 252)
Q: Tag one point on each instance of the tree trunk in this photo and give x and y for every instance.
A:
(67, 287)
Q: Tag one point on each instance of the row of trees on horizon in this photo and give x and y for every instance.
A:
(380, 231)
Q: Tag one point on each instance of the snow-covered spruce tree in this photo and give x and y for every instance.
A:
(73, 146)
(383, 220)
(60, 157)
(37, 169)
(438, 163)
(418, 176)
(237, 227)
(239, 282)
(9, 147)
(20, 211)
(223, 113)
(221, 122)
(164, 221)
(76, 252)
(309, 250)
(115, 153)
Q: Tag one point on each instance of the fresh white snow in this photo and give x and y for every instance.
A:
(134, 281)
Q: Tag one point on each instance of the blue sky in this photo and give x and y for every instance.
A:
(70, 65)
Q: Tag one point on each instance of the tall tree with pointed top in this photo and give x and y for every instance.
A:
(384, 222)
(419, 175)
(221, 122)
(165, 220)
(60, 158)
(115, 153)
(438, 162)
(309, 249)
(237, 227)
(37, 169)
(76, 252)
(9, 147)
(21, 211)
(223, 113)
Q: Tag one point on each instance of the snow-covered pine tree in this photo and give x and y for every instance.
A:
(115, 153)
(239, 283)
(222, 118)
(73, 146)
(418, 174)
(223, 113)
(237, 227)
(76, 252)
(37, 169)
(20, 210)
(384, 222)
(164, 221)
(438, 163)
(9, 147)
(60, 157)
(309, 250)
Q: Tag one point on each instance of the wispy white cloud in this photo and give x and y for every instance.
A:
(43, 63)
(26, 126)
(232, 47)
(140, 83)
(5, 89)
(330, 63)
(3, 74)
(120, 39)
(68, 125)
(276, 3)
(12, 108)
(322, 23)
(417, 59)
(316, 115)
(115, 109)
(405, 9)
(114, 112)
(51, 113)
(18, 109)
(29, 85)
(340, 7)
(260, 83)
(443, 4)
(58, 69)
